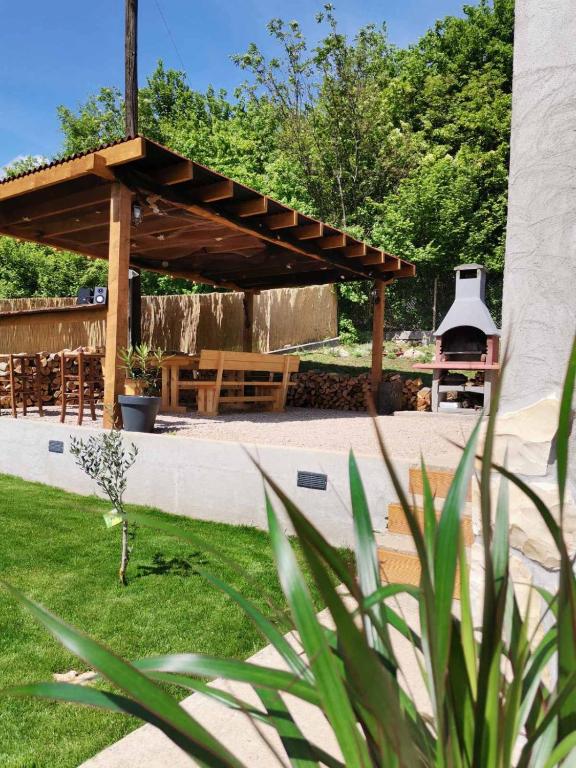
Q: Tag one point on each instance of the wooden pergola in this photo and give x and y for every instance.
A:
(138, 204)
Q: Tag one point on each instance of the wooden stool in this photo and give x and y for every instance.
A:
(86, 382)
(25, 382)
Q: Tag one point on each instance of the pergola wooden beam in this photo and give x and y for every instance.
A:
(141, 184)
(97, 163)
(309, 231)
(281, 220)
(193, 277)
(255, 207)
(175, 174)
(211, 193)
(331, 242)
(117, 315)
(54, 205)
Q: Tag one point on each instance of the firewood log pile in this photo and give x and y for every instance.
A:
(415, 396)
(49, 373)
(424, 399)
(317, 389)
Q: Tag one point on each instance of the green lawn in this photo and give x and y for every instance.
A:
(55, 548)
(358, 360)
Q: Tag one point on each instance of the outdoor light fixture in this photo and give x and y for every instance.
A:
(136, 215)
(164, 264)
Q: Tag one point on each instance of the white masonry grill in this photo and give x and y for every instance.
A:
(466, 340)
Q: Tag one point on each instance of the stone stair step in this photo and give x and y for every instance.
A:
(399, 563)
(440, 480)
(397, 522)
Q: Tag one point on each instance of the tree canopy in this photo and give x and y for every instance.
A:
(407, 148)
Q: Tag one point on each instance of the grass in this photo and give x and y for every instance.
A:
(358, 360)
(55, 548)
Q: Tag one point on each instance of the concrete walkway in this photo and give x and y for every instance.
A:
(256, 745)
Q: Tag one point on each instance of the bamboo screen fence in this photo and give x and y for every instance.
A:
(187, 323)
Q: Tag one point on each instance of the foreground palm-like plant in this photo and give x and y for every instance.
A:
(489, 703)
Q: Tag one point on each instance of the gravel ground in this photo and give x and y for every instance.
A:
(406, 434)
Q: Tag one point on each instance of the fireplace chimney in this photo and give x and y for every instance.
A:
(469, 308)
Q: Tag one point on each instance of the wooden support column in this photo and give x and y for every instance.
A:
(377, 336)
(117, 317)
(248, 327)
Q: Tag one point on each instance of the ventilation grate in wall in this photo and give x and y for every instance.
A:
(313, 480)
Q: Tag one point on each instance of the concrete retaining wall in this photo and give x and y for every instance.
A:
(205, 479)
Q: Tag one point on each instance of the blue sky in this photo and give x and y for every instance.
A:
(58, 52)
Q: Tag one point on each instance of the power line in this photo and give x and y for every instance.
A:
(169, 32)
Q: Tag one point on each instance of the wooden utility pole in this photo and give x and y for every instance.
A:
(377, 336)
(131, 68)
(248, 328)
(135, 307)
(131, 129)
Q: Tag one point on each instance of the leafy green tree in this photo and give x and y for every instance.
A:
(407, 148)
(336, 125)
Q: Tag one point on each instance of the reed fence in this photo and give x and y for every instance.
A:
(186, 323)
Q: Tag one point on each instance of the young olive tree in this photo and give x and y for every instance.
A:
(107, 461)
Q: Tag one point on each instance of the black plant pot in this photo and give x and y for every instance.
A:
(139, 412)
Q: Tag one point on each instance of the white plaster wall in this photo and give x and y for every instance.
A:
(540, 272)
(539, 310)
(539, 303)
(205, 479)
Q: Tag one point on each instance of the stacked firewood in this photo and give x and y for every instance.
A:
(49, 375)
(424, 399)
(415, 396)
(317, 389)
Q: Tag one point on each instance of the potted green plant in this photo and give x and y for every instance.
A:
(140, 402)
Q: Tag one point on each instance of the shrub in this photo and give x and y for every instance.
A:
(490, 703)
(347, 331)
(142, 364)
(105, 460)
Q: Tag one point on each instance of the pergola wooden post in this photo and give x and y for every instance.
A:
(248, 326)
(117, 316)
(377, 336)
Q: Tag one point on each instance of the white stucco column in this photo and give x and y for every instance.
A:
(539, 318)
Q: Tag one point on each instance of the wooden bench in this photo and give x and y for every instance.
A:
(243, 365)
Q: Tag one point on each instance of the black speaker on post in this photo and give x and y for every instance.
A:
(100, 295)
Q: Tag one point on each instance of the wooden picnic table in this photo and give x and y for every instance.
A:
(171, 368)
